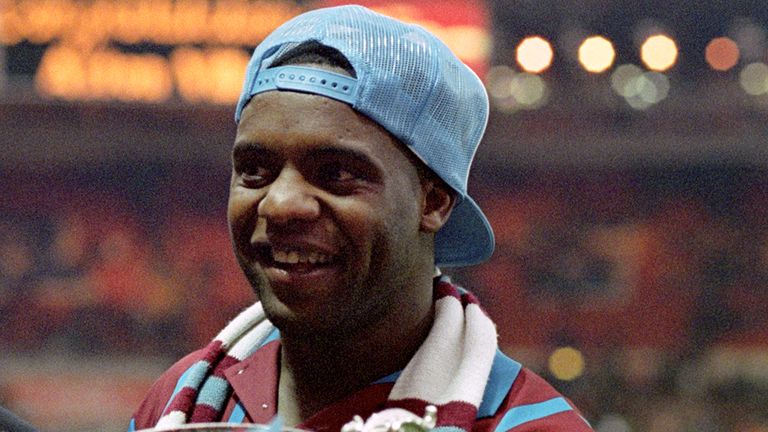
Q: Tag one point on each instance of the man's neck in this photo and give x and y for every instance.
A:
(316, 372)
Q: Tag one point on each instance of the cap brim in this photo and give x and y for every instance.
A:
(466, 238)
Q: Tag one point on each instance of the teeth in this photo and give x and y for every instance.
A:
(296, 257)
(293, 258)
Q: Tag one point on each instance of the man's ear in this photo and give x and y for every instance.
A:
(438, 202)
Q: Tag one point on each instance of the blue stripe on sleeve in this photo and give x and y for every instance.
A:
(132, 425)
(503, 374)
(527, 413)
(238, 414)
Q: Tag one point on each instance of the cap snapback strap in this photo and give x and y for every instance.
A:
(307, 80)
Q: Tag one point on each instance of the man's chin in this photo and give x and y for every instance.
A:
(292, 325)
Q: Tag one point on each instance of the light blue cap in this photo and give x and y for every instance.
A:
(411, 84)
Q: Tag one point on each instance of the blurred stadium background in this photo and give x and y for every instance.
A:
(624, 171)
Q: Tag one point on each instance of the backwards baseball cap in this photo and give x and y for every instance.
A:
(407, 81)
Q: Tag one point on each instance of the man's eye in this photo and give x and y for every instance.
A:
(344, 175)
(254, 176)
(335, 173)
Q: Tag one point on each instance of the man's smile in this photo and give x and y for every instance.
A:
(285, 260)
(298, 257)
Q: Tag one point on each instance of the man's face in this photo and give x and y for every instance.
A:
(324, 212)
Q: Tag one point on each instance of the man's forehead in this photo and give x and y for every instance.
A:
(280, 119)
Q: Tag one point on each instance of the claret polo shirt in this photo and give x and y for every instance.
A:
(515, 398)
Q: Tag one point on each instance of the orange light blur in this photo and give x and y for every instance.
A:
(149, 79)
(188, 66)
(214, 75)
(233, 22)
(534, 54)
(229, 21)
(596, 54)
(68, 73)
(228, 72)
(62, 73)
(218, 28)
(722, 53)
(160, 31)
(189, 21)
(43, 20)
(103, 69)
(134, 21)
(659, 52)
(9, 34)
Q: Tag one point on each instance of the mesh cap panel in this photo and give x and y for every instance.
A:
(411, 84)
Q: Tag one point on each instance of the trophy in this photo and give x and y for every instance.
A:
(394, 420)
(389, 420)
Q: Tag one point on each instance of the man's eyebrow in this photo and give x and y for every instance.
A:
(343, 152)
(245, 147)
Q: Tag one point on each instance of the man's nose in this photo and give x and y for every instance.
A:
(289, 197)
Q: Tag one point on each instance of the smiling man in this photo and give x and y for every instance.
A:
(349, 190)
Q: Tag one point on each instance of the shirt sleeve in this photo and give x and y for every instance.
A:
(534, 405)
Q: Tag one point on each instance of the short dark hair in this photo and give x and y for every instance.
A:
(313, 52)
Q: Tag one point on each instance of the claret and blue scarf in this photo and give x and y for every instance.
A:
(449, 371)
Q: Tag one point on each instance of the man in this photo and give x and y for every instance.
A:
(349, 187)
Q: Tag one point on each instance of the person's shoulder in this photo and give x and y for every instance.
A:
(151, 408)
(528, 403)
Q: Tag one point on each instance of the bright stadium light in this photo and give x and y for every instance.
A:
(659, 52)
(613, 423)
(498, 81)
(596, 54)
(721, 53)
(754, 79)
(566, 363)
(534, 54)
(647, 89)
(511, 91)
(641, 89)
(622, 79)
(529, 90)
